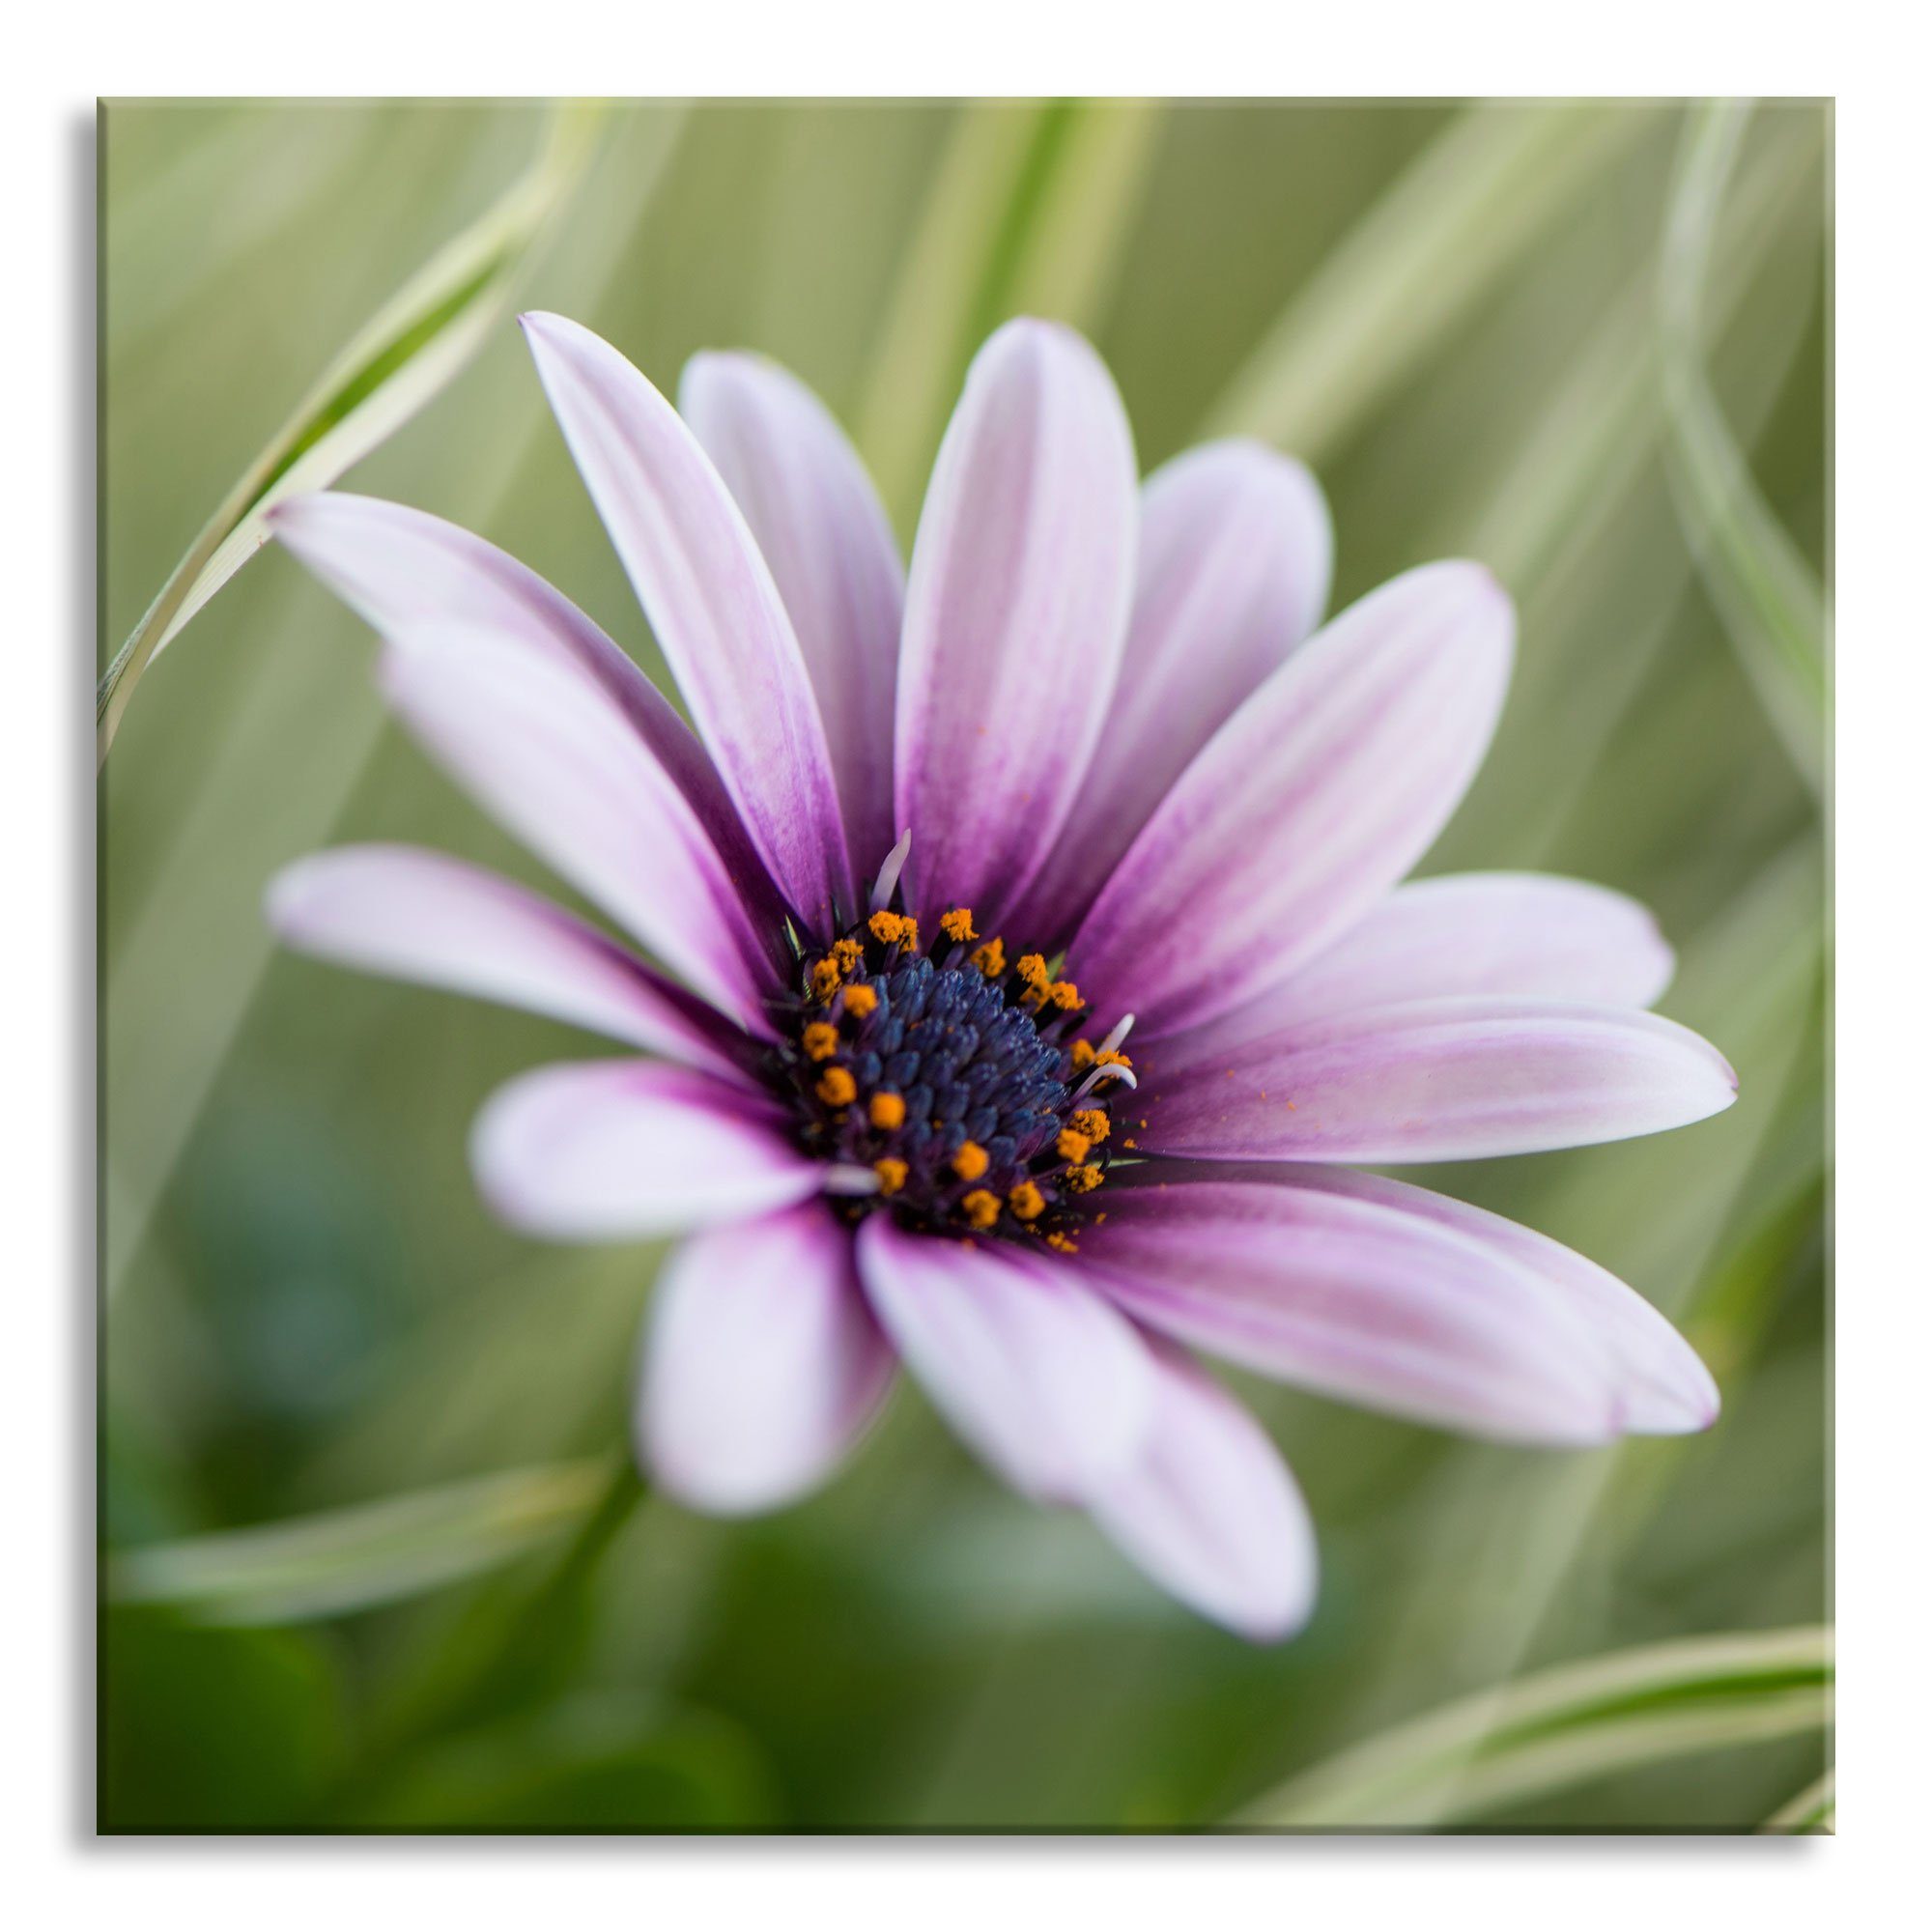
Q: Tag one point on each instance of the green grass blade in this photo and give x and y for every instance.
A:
(1026, 215)
(1772, 603)
(354, 1559)
(1441, 238)
(1815, 1811)
(1565, 1727)
(404, 355)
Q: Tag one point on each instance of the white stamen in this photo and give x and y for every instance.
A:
(1118, 1033)
(842, 1177)
(1098, 1074)
(887, 883)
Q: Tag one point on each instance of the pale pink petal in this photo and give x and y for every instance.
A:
(1306, 806)
(1665, 1389)
(1234, 556)
(821, 529)
(1511, 934)
(1017, 612)
(1433, 1080)
(1358, 1299)
(1047, 1382)
(622, 1149)
(402, 570)
(712, 605)
(763, 1363)
(555, 765)
(420, 916)
(1209, 1510)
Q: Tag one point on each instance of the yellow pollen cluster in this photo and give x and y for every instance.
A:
(887, 1111)
(859, 1001)
(990, 958)
(1082, 1180)
(1026, 1202)
(848, 952)
(837, 1089)
(1032, 969)
(1064, 1244)
(970, 1162)
(1073, 1144)
(891, 928)
(981, 1209)
(957, 924)
(825, 978)
(1091, 1122)
(821, 1041)
(1065, 995)
(891, 1174)
(1081, 1053)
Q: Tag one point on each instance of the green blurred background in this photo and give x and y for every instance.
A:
(1494, 331)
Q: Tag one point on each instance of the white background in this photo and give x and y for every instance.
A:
(1870, 57)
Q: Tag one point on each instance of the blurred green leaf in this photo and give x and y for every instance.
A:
(1814, 1810)
(354, 1559)
(210, 1729)
(404, 355)
(600, 1761)
(1564, 1727)
(1417, 263)
(1772, 605)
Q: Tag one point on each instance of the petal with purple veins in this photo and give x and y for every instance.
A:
(762, 1363)
(424, 917)
(1306, 807)
(820, 528)
(1434, 1080)
(1045, 1380)
(1016, 614)
(624, 1149)
(717, 614)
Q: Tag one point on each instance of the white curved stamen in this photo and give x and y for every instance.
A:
(887, 883)
(843, 1177)
(1098, 1074)
(1118, 1033)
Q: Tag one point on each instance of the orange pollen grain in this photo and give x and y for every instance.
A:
(825, 978)
(1026, 1202)
(891, 1174)
(1091, 1122)
(837, 1089)
(1065, 1244)
(970, 1162)
(990, 958)
(1073, 1144)
(821, 1041)
(889, 928)
(1032, 968)
(859, 1001)
(981, 1209)
(1082, 1180)
(1113, 1057)
(957, 924)
(887, 1110)
(1065, 995)
(848, 952)
(1082, 1053)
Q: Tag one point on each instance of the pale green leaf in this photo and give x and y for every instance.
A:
(355, 1558)
(404, 355)
(1813, 1812)
(1771, 601)
(1564, 1727)
(1439, 239)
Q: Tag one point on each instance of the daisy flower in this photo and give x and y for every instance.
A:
(1022, 971)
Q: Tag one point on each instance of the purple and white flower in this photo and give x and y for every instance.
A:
(938, 840)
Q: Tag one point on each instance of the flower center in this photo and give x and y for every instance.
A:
(955, 1089)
